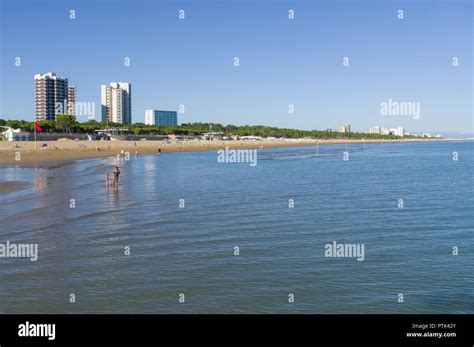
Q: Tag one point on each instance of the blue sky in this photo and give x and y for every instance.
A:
(282, 61)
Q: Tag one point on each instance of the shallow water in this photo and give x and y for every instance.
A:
(190, 250)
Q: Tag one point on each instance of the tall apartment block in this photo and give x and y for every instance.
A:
(51, 93)
(71, 97)
(116, 102)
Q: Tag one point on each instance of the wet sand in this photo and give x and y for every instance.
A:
(24, 153)
(8, 187)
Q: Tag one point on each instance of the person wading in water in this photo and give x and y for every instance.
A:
(116, 173)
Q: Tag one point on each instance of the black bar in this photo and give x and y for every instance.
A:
(238, 329)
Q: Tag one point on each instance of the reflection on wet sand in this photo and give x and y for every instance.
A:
(8, 187)
(40, 181)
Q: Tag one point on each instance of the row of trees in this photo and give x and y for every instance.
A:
(69, 124)
(64, 123)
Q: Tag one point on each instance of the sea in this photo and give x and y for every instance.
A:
(187, 233)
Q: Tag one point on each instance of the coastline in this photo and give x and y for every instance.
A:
(59, 151)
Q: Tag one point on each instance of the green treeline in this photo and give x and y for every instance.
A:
(68, 124)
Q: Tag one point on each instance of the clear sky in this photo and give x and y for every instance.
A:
(282, 61)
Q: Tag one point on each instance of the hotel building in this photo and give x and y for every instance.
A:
(51, 93)
(400, 131)
(159, 117)
(116, 102)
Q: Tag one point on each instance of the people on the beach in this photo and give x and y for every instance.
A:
(107, 180)
(121, 155)
(159, 150)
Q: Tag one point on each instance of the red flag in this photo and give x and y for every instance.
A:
(38, 127)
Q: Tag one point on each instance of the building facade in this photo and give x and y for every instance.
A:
(116, 102)
(71, 97)
(345, 128)
(399, 131)
(51, 94)
(161, 117)
(375, 130)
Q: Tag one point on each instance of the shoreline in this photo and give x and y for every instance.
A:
(67, 151)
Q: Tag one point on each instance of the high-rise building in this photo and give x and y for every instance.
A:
(345, 128)
(51, 94)
(401, 131)
(160, 117)
(116, 102)
(71, 97)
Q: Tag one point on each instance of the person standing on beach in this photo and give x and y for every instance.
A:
(107, 180)
(116, 173)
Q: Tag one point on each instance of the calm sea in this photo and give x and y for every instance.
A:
(183, 214)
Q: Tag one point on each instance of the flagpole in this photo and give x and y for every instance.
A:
(36, 146)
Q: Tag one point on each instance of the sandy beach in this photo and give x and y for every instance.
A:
(24, 153)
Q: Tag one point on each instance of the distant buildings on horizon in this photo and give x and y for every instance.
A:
(399, 131)
(345, 128)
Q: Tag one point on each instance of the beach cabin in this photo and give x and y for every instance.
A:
(15, 135)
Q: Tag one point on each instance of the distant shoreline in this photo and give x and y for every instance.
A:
(59, 151)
